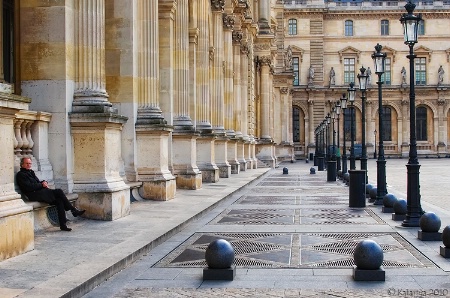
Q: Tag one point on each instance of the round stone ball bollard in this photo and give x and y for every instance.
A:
(400, 207)
(285, 171)
(368, 255)
(446, 237)
(219, 254)
(312, 170)
(389, 200)
(368, 188)
(429, 222)
(346, 178)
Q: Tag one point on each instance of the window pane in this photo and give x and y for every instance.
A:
(421, 123)
(421, 71)
(348, 28)
(347, 122)
(292, 27)
(349, 70)
(384, 27)
(421, 29)
(296, 124)
(295, 68)
(386, 76)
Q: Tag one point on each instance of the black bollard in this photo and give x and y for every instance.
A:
(357, 191)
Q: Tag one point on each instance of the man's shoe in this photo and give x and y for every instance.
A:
(77, 212)
(65, 228)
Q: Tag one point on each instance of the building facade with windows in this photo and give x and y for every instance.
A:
(337, 38)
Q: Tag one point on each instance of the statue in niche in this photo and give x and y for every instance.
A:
(311, 75)
(403, 76)
(332, 77)
(440, 75)
(288, 58)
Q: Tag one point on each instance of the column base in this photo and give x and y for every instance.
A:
(224, 171)
(189, 181)
(105, 205)
(161, 190)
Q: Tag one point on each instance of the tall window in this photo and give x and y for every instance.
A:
(295, 68)
(8, 40)
(348, 123)
(421, 29)
(349, 70)
(292, 26)
(384, 27)
(387, 124)
(421, 123)
(421, 71)
(386, 76)
(348, 28)
(296, 124)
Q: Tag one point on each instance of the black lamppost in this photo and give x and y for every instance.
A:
(380, 62)
(317, 145)
(327, 123)
(338, 112)
(362, 78)
(414, 211)
(344, 149)
(375, 152)
(333, 118)
(351, 99)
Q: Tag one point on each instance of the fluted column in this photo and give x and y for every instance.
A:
(442, 127)
(244, 91)
(264, 14)
(90, 53)
(264, 121)
(237, 82)
(228, 23)
(285, 111)
(218, 67)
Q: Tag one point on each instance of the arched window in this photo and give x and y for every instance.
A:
(292, 27)
(296, 124)
(421, 123)
(348, 28)
(387, 124)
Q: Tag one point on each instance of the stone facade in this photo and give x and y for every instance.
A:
(341, 35)
(159, 95)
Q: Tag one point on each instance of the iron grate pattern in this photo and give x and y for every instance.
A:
(313, 216)
(52, 215)
(296, 250)
(267, 200)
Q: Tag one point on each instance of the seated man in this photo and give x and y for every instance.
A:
(37, 190)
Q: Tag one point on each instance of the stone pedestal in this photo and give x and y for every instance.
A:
(16, 217)
(444, 251)
(240, 148)
(205, 158)
(265, 153)
(220, 148)
(158, 183)
(232, 156)
(429, 236)
(369, 274)
(219, 274)
(398, 217)
(185, 169)
(101, 190)
(385, 209)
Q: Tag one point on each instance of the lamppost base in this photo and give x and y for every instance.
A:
(411, 222)
(413, 206)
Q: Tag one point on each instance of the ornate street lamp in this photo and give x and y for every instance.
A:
(344, 149)
(380, 63)
(351, 99)
(414, 211)
(362, 78)
(338, 112)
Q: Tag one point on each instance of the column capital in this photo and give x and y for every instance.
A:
(217, 5)
(167, 8)
(228, 21)
(237, 36)
(265, 60)
(284, 90)
(244, 48)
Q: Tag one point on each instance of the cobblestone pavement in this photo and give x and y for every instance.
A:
(299, 205)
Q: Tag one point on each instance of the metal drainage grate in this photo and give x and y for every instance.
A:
(52, 215)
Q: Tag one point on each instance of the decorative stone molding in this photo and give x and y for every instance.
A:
(265, 60)
(349, 51)
(211, 53)
(284, 90)
(217, 5)
(244, 49)
(228, 21)
(262, 46)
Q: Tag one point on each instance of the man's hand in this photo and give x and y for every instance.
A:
(44, 184)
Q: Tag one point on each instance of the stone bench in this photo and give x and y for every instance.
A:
(45, 215)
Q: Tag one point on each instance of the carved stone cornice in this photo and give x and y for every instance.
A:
(166, 8)
(262, 46)
(228, 21)
(217, 5)
(237, 36)
(244, 49)
(193, 35)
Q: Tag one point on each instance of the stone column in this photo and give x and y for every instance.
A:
(95, 124)
(152, 131)
(442, 127)
(264, 16)
(217, 81)
(244, 73)
(16, 217)
(370, 128)
(184, 136)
